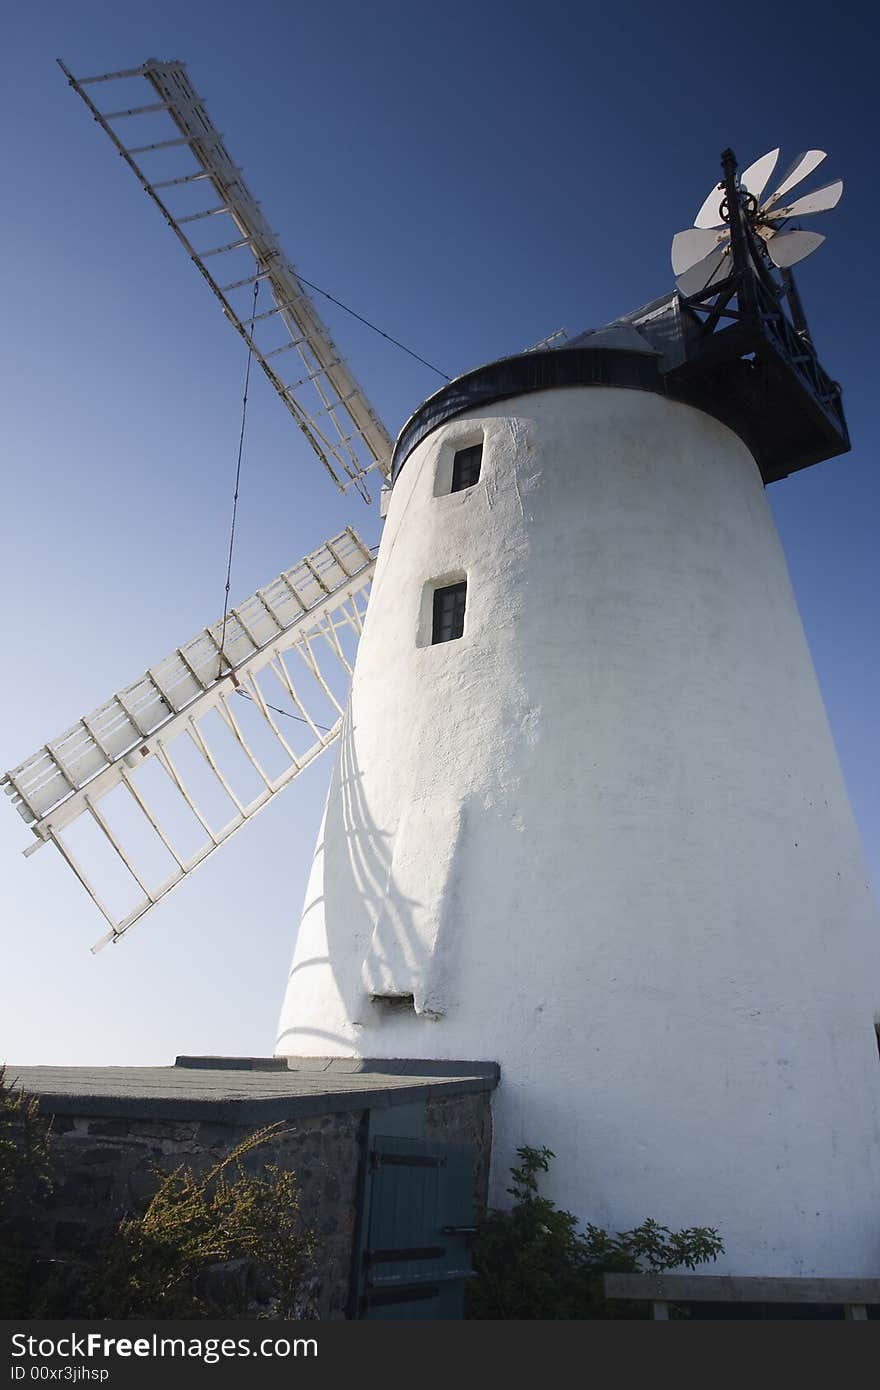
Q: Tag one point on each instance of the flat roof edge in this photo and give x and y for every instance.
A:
(256, 1095)
(385, 1066)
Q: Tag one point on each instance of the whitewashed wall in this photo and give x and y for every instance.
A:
(603, 838)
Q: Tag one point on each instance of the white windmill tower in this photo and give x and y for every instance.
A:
(586, 818)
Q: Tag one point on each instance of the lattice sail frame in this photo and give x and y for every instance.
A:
(326, 401)
(299, 615)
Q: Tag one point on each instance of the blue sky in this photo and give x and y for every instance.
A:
(471, 177)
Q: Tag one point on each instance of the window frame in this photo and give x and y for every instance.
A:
(457, 589)
(461, 438)
(459, 466)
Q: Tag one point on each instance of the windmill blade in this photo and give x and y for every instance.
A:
(820, 200)
(710, 213)
(176, 763)
(710, 270)
(755, 179)
(796, 172)
(693, 245)
(327, 403)
(787, 248)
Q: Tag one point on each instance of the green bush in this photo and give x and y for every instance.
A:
(209, 1245)
(226, 1243)
(25, 1184)
(533, 1261)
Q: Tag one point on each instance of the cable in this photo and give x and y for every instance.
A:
(247, 377)
(285, 712)
(361, 319)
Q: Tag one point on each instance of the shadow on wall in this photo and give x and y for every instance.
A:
(387, 900)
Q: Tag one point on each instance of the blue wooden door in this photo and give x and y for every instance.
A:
(415, 1260)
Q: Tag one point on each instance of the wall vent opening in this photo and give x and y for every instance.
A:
(394, 1003)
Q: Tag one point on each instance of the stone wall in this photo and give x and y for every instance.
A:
(464, 1120)
(108, 1168)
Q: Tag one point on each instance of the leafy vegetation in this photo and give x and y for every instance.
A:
(25, 1184)
(533, 1261)
(209, 1245)
(226, 1243)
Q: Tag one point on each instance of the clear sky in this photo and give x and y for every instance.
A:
(471, 177)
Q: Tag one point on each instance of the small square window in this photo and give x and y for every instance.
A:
(449, 605)
(466, 467)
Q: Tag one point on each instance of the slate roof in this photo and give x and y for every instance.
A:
(248, 1090)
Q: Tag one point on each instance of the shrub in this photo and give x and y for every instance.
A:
(533, 1261)
(25, 1184)
(226, 1243)
(222, 1244)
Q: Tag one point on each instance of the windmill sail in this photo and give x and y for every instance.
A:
(320, 392)
(170, 767)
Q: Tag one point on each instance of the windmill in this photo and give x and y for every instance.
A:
(703, 254)
(612, 848)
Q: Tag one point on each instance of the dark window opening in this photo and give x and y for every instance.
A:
(449, 604)
(877, 1035)
(466, 467)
